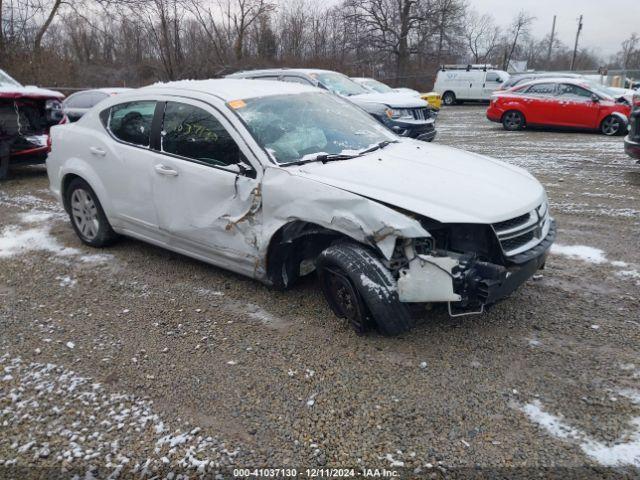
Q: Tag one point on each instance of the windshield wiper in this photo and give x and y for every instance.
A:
(377, 146)
(333, 157)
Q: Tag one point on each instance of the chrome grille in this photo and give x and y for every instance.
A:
(422, 113)
(521, 233)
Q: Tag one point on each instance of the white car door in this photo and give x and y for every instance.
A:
(492, 82)
(205, 191)
(125, 165)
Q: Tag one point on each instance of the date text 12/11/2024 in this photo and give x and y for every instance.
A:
(314, 473)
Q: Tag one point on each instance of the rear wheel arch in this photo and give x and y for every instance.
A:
(66, 181)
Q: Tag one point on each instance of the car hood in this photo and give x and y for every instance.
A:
(442, 183)
(9, 91)
(393, 100)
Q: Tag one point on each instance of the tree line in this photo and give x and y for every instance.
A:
(82, 43)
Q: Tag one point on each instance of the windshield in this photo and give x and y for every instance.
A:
(7, 81)
(602, 90)
(340, 84)
(378, 86)
(294, 128)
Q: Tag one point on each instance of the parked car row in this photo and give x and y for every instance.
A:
(406, 115)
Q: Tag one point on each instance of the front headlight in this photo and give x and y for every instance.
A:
(53, 105)
(398, 113)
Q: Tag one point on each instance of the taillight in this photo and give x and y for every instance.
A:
(49, 143)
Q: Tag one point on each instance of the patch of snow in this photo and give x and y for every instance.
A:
(580, 252)
(67, 281)
(35, 216)
(15, 241)
(622, 452)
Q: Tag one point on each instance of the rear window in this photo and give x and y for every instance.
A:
(131, 122)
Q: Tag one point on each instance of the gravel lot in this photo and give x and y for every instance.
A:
(140, 362)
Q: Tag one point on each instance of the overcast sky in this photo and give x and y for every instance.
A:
(606, 23)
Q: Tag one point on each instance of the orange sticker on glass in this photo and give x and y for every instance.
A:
(235, 104)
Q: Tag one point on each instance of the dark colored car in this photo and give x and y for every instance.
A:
(26, 114)
(405, 115)
(79, 103)
(632, 141)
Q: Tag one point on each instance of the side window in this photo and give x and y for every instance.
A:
(194, 133)
(291, 79)
(78, 100)
(569, 90)
(493, 77)
(544, 89)
(131, 122)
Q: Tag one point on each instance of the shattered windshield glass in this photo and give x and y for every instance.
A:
(7, 81)
(378, 86)
(340, 84)
(302, 127)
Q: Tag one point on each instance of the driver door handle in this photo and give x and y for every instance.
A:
(164, 170)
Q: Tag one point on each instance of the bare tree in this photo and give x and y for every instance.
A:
(482, 36)
(519, 29)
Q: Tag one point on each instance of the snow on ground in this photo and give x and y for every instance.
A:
(18, 241)
(595, 256)
(623, 452)
(64, 420)
(581, 252)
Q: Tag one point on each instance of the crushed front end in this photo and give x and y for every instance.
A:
(471, 266)
(25, 124)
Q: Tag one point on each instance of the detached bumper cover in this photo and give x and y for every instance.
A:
(467, 281)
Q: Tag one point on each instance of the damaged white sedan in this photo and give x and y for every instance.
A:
(275, 181)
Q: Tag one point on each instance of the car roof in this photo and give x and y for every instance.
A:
(231, 89)
(362, 79)
(107, 90)
(573, 81)
(279, 71)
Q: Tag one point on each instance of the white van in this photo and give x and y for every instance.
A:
(457, 83)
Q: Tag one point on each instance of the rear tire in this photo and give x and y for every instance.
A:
(87, 216)
(359, 287)
(449, 98)
(513, 121)
(612, 126)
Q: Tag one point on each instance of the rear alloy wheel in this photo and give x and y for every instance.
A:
(612, 125)
(513, 121)
(87, 216)
(449, 98)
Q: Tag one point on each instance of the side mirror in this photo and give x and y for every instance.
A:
(595, 98)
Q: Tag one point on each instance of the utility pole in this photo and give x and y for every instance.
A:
(553, 33)
(575, 48)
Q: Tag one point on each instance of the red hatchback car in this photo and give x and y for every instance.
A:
(560, 103)
(26, 114)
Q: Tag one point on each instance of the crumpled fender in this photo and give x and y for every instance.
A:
(288, 198)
